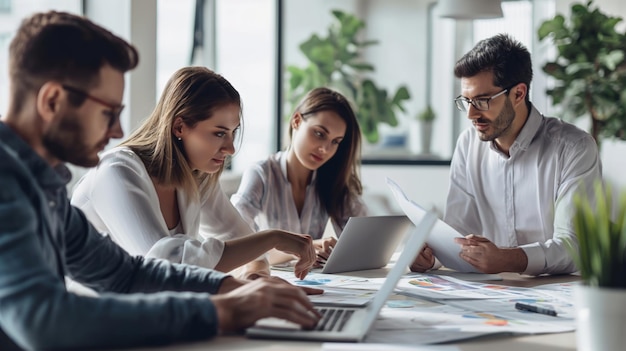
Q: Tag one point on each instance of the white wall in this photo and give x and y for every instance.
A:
(426, 185)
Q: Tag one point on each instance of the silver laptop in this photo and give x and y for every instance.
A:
(366, 243)
(352, 324)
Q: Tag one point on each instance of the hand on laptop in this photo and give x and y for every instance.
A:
(261, 298)
(424, 261)
(323, 247)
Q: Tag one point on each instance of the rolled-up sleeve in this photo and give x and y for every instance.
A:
(580, 170)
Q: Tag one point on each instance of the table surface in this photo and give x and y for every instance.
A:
(544, 342)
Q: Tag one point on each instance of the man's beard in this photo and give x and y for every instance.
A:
(501, 124)
(65, 140)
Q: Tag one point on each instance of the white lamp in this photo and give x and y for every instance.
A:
(469, 9)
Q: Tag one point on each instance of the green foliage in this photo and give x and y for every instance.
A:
(427, 115)
(590, 69)
(601, 254)
(335, 61)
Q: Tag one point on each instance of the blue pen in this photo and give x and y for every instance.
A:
(531, 308)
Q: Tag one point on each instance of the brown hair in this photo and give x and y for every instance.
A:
(193, 94)
(505, 57)
(337, 183)
(63, 47)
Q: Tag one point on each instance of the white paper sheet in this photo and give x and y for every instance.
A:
(387, 347)
(441, 239)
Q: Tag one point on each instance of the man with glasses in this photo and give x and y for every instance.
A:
(514, 172)
(67, 82)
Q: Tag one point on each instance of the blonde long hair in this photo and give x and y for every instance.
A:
(193, 94)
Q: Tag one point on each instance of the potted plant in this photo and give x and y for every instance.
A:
(335, 61)
(426, 118)
(590, 69)
(601, 258)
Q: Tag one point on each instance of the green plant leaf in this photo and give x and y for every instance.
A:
(612, 59)
(590, 69)
(401, 94)
(366, 43)
(361, 66)
(551, 26)
(336, 61)
(601, 254)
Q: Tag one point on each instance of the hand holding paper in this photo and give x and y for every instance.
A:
(441, 240)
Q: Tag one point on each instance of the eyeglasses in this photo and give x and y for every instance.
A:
(115, 110)
(481, 104)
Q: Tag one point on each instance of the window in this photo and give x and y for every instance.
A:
(235, 38)
(245, 54)
(415, 49)
(399, 59)
(175, 20)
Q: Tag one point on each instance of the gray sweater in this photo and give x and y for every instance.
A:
(43, 238)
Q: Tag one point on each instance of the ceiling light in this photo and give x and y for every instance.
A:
(469, 9)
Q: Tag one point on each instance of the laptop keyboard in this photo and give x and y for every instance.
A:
(333, 319)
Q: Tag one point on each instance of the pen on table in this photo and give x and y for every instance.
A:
(531, 308)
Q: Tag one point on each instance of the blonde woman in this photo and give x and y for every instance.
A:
(314, 180)
(157, 194)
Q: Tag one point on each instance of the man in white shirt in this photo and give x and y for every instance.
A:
(514, 172)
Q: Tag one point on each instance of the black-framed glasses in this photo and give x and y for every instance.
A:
(481, 104)
(115, 110)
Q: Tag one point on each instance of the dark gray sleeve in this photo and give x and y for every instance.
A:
(37, 312)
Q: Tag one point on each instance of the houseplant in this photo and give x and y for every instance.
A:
(335, 61)
(426, 118)
(590, 68)
(601, 258)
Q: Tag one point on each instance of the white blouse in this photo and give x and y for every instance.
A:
(525, 199)
(119, 198)
(265, 200)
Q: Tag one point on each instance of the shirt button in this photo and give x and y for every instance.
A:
(51, 203)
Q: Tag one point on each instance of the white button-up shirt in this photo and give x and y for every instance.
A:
(525, 199)
(119, 198)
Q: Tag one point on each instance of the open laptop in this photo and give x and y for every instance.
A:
(352, 324)
(366, 243)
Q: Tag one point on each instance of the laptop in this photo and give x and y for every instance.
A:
(352, 324)
(366, 243)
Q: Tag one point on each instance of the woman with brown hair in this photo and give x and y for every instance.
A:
(315, 179)
(157, 194)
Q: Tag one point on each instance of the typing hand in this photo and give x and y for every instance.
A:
(424, 261)
(307, 290)
(263, 298)
(323, 248)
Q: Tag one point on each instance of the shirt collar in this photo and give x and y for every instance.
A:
(529, 130)
(526, 135)
(44, 174)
